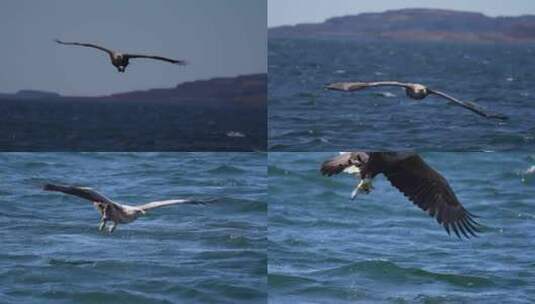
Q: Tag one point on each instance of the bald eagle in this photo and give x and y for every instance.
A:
(113, 211)
(411, 175)
(120, 60)
(417, 92)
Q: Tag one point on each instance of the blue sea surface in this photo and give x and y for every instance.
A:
(380, 248)
(57, 125)
(303, 116)
(52, 252)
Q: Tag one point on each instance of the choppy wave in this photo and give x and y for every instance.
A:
(380, 248)
(213, 253)
(225, 169)
(387, 120)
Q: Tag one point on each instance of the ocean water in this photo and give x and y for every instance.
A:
(52, 252)
(305, 117)
(380, 248)
(149, 125)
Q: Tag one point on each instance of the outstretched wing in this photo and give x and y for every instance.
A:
(474, 107)
(82, 192)
(158, 204)
(356, 86)
(110, 52)
(426, 188)
(173, 61)
(342, 162)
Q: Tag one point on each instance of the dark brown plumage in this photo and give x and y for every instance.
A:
(415, 91)
(420, 183)
(82, 192)
(121, 60)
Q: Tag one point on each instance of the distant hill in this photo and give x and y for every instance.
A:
(247, 90)
(417, 25)
(221, 114)
(31, 94)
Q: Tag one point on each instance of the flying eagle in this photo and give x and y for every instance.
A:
(113, 211)
(120, 60)
(409, 173)
(415, 91)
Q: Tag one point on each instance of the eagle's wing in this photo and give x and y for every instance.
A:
(426, 188)
(474, 107)
(82, 192)
(158, 204)
(356, 86)
(110, 52)
(179, 62)
(342, 162)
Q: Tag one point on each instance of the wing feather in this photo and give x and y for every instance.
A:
(356, 86)
(173, 61)
(82, 192)
(157, 204)
(110, 52)
(474, 107)
(430, 191)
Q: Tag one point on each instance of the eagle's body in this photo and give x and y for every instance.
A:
(114, 212)
(416, 91)
(119, 213)
(119, 61)
(411, 175)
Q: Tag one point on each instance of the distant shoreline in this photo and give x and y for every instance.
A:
(417, 25)
(244, 89)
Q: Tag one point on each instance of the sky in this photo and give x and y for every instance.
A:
(217, 37)
(290, 12)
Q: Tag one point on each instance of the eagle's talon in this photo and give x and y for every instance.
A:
(365, 186)
(112, 228)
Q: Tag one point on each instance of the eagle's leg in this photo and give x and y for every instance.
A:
(112, 228)
(102, 225)
(364, 186)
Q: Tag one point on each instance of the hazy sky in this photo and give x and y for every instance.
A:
(218, 38)
(285, 12)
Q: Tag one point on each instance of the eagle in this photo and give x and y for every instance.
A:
(412, 176)
(120, 60)
(415, 91)
(115, 212)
